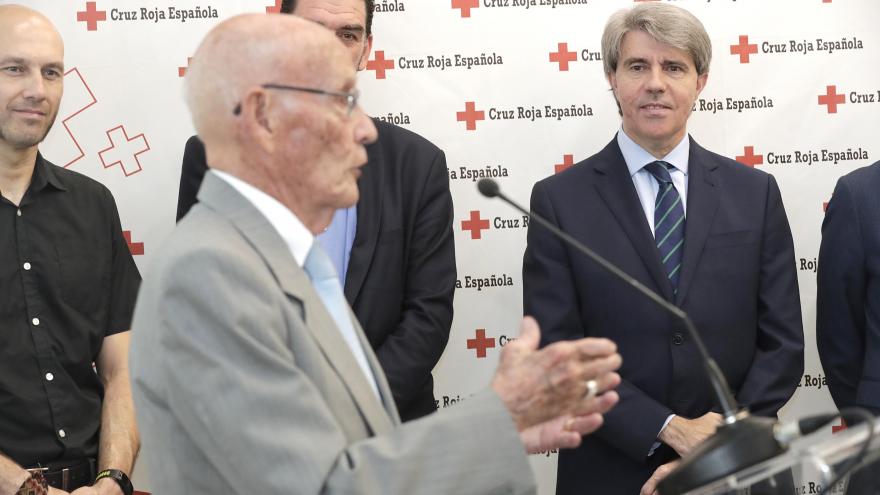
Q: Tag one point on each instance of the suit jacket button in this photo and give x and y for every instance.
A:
(677, 338)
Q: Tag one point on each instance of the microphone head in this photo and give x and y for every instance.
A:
(488, 188)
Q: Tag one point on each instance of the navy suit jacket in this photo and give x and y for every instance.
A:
(401, 274)
(738, 283)
(848, 299)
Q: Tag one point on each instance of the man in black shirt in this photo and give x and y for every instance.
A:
(68, 285)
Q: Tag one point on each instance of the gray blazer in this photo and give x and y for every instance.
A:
(243, 385)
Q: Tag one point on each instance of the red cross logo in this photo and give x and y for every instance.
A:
(749, 157)
(181, 71)
(82, 89)
(743, 49)
(470, 115)
(274, 9)
(136, 248)
(567, 161)
(465, 6)
(481, 343)
(832, 99)
(839, 427)
(380, 64)
(476, 225)
(563, 56)
(91, 16)
(134, 147)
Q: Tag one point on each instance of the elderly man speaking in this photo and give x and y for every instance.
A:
(251, 374)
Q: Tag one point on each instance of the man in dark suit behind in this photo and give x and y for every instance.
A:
(394, 250)
(848, 301)
(708, 234)
(848, 291)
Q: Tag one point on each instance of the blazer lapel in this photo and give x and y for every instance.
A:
(616, 188)
(702, 202)
(223, 198)
(217, 194)
(369, 214)
(338, 353)
(381, 381)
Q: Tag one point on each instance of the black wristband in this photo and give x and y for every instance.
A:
(119, 477)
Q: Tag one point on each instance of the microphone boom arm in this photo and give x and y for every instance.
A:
(719, 383)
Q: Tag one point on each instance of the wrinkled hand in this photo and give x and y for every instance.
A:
(684, 434)
(104, 486)
(650, 486)
(539, 385)
(57, 491)
(565, 432)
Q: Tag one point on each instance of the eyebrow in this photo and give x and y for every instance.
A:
(639, 60)
(635, 60)
(351, 27)
(20, 61)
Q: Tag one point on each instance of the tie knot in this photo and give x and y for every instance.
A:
(318, 265)
(660, 171)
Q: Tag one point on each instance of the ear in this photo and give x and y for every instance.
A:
(702, 79)
(611, 77)
(255, 120)
(365, 55)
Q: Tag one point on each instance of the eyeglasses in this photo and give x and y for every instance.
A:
(350, 98)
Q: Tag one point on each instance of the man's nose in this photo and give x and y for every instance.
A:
(365, 131)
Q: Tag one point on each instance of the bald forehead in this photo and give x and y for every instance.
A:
(260, 45)
(20, 18)
(26, 33)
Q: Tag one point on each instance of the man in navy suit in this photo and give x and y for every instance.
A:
(848, 300)
(707, 233)
(848, 297)
(394, 250)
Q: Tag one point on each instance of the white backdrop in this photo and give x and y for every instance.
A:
(793, 89)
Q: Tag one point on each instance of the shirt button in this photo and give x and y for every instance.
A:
(49, 377)
(62, 433)
(36, 322)
(677, 339)
(18, 212)
(27, 266)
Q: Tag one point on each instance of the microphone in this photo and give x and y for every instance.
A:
(741, 441)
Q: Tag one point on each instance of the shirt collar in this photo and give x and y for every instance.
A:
(45, 175)
(295, 234)
(636, 157)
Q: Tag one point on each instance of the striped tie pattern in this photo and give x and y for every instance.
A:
(668, 221)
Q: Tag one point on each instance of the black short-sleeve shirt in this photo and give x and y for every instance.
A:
(67, 280)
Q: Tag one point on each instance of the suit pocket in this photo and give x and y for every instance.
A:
(727, 239)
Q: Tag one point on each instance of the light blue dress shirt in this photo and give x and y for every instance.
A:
(338, 239)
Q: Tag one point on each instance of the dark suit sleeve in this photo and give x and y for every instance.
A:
(191, 174)
(841, 286)
(550, 295)
(412, 349)
(778, 363)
